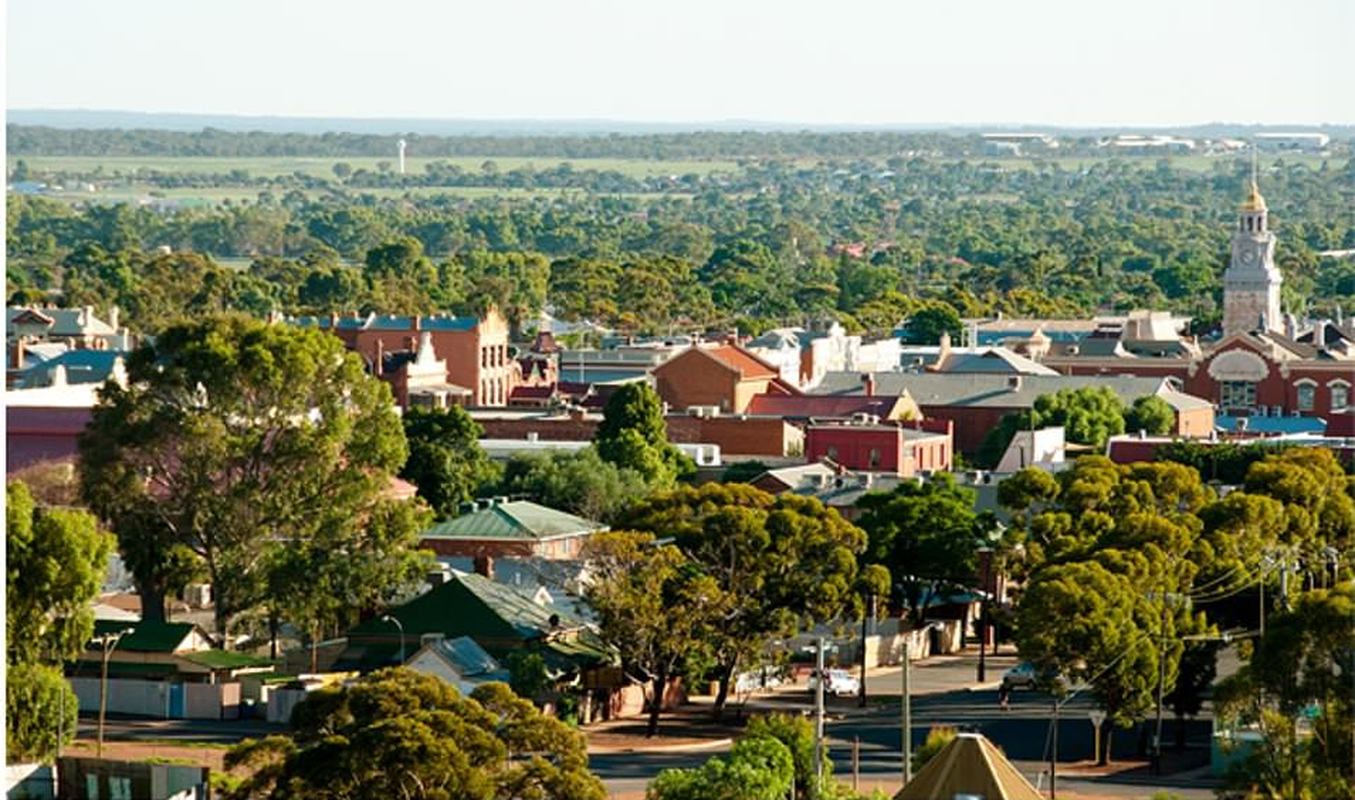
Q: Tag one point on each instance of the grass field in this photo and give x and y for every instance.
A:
(324, 167)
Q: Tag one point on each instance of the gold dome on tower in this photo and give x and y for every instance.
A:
(1254, 202)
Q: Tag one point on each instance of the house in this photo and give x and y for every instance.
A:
(474, 349)
(969, 766)
(166, 670)
(77, 327)
(869, 445)
(72, 367)
(497, 528)
(181, 650)
(460, 661)
(977, 402)
(500, 619)
(725, 377)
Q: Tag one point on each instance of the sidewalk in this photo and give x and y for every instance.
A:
(692, 729)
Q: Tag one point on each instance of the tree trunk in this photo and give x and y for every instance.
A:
(722, 694)
(152, 603)
(656, 705)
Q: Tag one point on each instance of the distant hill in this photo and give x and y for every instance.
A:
(138, 120)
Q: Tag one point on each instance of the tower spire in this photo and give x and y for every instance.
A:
(1254, 202)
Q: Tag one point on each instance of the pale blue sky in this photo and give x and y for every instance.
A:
(1060, 62)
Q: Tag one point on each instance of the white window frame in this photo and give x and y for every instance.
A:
(1344, 386)
(1302, 385)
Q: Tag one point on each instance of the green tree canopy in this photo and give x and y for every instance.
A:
(1152, 415)
(246, 445)
(1089, 415)
(39, 705)
(654, 606)
(927, 535)
(784, 561)
(55, 565)
(633, 435)
(396, 733)
(757, 768)
(579, 482)
(445, 459)
(927, 324)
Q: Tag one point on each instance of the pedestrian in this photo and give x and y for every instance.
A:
(1004, 696)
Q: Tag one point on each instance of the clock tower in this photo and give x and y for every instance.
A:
(1251, 284)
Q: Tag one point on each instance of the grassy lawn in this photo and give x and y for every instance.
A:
(324, 167)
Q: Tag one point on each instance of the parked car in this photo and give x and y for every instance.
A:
(756, 680)
(840, 682)
(1025, 676)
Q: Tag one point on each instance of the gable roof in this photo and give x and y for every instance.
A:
(61, 321)
(147, 636)
(518, 519)
(471, 605)
(992, 360)
(970, 765)
(730, 356)
(464, 655)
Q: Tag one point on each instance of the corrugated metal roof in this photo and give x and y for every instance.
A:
(518, 519)
(949, 389)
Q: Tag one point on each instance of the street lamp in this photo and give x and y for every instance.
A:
(108, 641)
(389, 618)
(986, 553)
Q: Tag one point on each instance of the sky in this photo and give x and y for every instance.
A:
(832, 62)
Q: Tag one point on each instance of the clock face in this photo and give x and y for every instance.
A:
(1248, 257)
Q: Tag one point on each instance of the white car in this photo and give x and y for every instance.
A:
(840, 682)
(756, 680)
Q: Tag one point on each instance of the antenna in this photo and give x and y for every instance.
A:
(400, 145)
(1253, 163)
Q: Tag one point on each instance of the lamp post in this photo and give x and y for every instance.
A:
(401, 628)
(986, 553)
(108, 641)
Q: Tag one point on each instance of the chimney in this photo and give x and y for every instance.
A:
(868, 383)
(484, 565)
(113, 314)
(16, 360)
(417, 322)
(379, 365)
(943, 349)
(333, 320)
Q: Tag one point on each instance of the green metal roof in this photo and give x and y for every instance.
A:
(518, 519)
(223, 659)
(469, 605)
(146, 637)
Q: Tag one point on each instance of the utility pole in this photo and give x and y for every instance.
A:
(987, 554)
(108, 642)
(907, 716)
(865, 632)
(1054, 751)
(821, 679)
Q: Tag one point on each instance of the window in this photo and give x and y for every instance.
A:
(119, 788)
(1340, 396)
(1237, 394)
(874, 458)
(832, 453)
(1307, 395)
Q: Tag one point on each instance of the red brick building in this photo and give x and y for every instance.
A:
(874, 446)
(725, 377)
(499, 528)
(475, 350)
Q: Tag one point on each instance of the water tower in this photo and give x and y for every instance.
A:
(400, 145)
